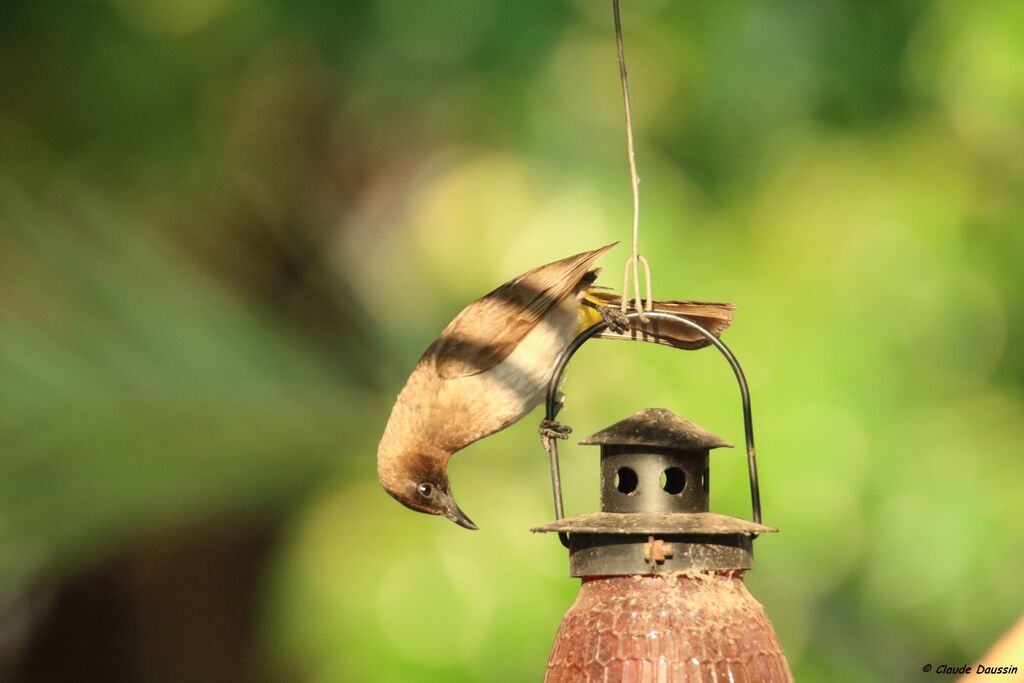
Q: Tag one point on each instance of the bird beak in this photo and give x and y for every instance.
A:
(460, 518)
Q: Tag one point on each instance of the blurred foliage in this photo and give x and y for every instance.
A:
(229, 227)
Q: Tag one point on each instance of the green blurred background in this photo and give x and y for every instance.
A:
(228, 228)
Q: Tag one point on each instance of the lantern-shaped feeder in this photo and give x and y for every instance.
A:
(662, 598)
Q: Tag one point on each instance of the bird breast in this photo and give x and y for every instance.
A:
(516, 385)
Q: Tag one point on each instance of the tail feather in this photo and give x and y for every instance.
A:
(715, 317)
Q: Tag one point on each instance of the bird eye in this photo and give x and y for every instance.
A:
(425, 490)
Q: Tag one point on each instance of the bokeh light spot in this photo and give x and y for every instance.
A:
(434, 608)
(172, 17)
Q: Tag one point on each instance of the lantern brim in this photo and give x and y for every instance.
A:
(709, 523)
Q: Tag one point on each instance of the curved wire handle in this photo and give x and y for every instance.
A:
(589, 333)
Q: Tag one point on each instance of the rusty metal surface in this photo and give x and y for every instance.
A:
(710, 523)
(618, 555)
(676, 629)
(647, 466)
(657, 427)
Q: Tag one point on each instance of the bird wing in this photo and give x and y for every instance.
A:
(714, 317)
(491, 327)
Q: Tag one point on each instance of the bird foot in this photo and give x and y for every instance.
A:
(615, 319)
(550, 429)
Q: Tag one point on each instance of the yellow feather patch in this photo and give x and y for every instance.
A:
(588, 315)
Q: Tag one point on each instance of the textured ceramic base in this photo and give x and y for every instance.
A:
(666, 629)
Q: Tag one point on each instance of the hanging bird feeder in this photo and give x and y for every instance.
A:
(662, 597)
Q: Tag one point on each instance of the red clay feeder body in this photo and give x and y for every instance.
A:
(662, 598)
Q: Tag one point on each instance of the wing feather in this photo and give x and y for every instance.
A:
(716, 317)
(491, 327)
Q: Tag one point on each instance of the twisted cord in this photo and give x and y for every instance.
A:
(635, 260)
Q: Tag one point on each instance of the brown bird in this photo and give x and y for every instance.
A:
(491, 366)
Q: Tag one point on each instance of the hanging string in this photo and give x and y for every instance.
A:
(635, 260)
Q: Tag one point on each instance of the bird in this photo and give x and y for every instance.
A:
(492, 364)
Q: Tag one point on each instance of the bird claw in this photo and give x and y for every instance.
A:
(550, 429)
(615, 319)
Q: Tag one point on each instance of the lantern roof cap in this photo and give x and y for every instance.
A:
(657, 427)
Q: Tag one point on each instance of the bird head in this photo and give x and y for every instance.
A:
(424, 488)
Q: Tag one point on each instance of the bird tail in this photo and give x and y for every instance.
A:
(715, 317)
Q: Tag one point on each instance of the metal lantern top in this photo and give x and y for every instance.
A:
(655, 461)
(655, 491)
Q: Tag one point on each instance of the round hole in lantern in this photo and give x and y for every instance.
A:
(626, 481)
(673, 481)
